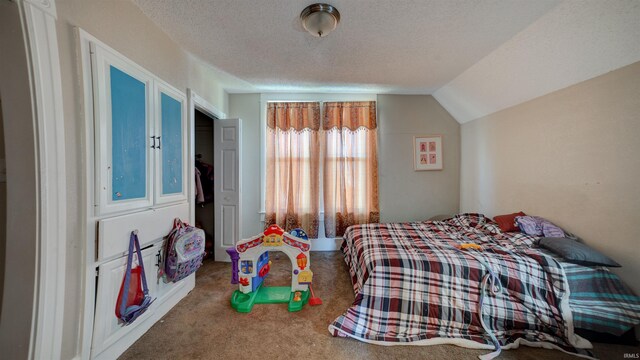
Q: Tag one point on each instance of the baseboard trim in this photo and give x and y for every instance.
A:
(326, 244)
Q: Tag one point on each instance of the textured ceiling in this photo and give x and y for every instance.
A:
(380, 46)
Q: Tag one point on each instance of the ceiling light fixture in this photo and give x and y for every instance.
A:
(320, 19)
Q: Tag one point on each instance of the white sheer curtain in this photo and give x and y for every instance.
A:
(350, 165)
(293, 166)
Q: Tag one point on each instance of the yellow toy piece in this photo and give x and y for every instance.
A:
(272, 240)
(305, 277)
(272, 236)
(470, 246)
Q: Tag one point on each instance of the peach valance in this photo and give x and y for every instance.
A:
(293, 115)
(351, 115)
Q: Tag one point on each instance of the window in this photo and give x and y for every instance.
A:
(293, 166)
(350, 169)
(307, 162)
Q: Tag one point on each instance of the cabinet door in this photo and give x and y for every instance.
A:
(163, 289)
(170, 144)
(123, 126)
(107, 329)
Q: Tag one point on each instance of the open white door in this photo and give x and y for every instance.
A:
(226, 149)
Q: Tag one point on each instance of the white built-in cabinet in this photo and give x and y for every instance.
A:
(140, 181)
(109, 337)
(107, 329)
(141, 136)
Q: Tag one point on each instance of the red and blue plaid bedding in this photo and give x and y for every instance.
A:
(413, 286)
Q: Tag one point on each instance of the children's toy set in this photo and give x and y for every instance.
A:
(251, 264)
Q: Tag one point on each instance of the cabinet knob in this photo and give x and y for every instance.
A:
(159, 143)
(153, 145)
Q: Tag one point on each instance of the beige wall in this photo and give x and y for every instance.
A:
(247, 108)
(570, 156)
(122, 26)
(406, 194)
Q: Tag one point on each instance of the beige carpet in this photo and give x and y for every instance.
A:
(204, 326)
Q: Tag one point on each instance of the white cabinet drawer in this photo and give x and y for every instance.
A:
(152, 225)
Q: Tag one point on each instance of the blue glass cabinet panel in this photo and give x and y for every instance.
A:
(171, 145)
(128, 136)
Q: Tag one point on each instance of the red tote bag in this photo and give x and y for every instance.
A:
(133, 298)
(134, 292)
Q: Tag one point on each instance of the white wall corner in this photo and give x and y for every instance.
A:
(462, 107)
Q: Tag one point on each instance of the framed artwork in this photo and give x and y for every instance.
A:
(427, 152)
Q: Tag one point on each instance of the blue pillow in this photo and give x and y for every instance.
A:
(576, 252)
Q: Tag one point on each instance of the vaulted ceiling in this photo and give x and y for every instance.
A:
(476, 57)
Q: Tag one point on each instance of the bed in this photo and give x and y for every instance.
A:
(603, 307)
(414, 286)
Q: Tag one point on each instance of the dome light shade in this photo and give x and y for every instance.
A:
(320, 19)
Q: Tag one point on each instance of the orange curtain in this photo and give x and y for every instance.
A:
(293, 166)
(350, 165)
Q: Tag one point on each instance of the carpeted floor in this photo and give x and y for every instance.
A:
(204, 326)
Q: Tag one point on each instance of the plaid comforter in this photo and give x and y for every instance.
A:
(612, 309)
(412, 285)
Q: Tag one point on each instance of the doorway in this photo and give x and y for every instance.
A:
(205, 179)
(213, 134)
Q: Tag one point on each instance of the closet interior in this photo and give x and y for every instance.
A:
(204, 177)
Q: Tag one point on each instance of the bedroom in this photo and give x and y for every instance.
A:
(537, 114)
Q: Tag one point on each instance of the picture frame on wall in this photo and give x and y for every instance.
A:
(427, 152)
